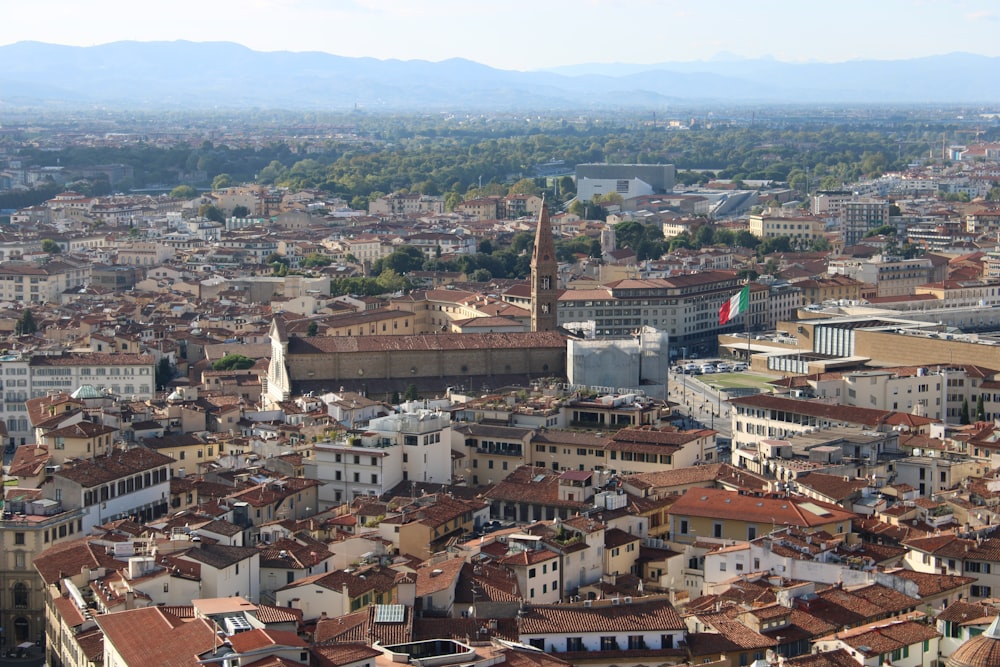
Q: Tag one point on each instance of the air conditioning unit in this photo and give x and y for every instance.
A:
(588, 603)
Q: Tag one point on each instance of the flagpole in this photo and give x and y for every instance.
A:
(748, 324)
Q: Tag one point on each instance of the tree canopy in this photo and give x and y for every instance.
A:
(233, 361)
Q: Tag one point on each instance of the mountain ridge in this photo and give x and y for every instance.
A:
(201, 75)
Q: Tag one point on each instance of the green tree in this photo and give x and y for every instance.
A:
(705, 235)
(525, 186)
(745, 239)
(578, 208)
(884, 230)
(402, 260)
(821, 244)
(963, 416)
(567, 187)
(51, 247)
(412, 393)
(980, 409)
(233, 361)
(25, 325)
(312, 330)
(315, 259)
(390, 281)
(222, 181)
(164, 373)
(273, 172)
(240, 211)
(183, 192)
(211, 212)
(481, 276)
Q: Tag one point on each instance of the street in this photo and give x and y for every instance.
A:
(700, 403)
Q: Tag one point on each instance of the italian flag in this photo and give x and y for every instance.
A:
(739, 303)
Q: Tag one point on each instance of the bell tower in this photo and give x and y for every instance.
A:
(544, 271)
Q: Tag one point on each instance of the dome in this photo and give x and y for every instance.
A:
(981, 651)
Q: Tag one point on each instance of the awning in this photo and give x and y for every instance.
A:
(26, 645)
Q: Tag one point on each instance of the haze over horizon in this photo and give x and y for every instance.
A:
(522, 35)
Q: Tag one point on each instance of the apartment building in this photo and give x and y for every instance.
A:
(859, 216)
(31, 376)
(412, 446)
(759, 417)
(799, 229)
(397, 204)
(686, 307)
(40, 283)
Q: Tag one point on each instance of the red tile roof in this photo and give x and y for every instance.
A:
(150, 636)
(785, 510)
(641, 615)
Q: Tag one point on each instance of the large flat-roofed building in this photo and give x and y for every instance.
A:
(627, 180)
(685, 307)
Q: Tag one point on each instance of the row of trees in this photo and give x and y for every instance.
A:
(457, 159)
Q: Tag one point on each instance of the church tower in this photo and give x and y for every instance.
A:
(544, 270)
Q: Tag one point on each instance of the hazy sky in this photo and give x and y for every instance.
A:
(529, 34)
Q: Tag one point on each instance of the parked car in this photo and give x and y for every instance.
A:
(707, 368)
(739, 367)
(690, 368)
(722, 367)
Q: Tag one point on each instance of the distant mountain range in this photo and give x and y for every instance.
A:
(222, 75)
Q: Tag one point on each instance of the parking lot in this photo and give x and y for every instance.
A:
(707, 367)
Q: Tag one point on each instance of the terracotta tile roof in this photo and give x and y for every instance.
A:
(877, 553)
(964, 612)
(832, 486)
(260, 638)
(844, 413)
(528, 557)
(676, 477)
(269, 614)
(492, 583)
(838, 658)
(220, 556)
(616, 537)
(425, 342)
(888, 600)
(150, 636)
(934, 584)
(117, 465)
(653, 615)
(540, 485)
(69, 612)
(434, 577)
(288, 553)
(360, 626)
(69, 558)
(29, 461)
(786, 510)
(739, 634)
(377, 579)
(874, 639)
(93, 359)
(83, 429)
(335, 655)
(655, 437)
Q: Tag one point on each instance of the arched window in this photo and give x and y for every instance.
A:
(20, 596)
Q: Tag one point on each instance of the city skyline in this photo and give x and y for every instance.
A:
(525, 36)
